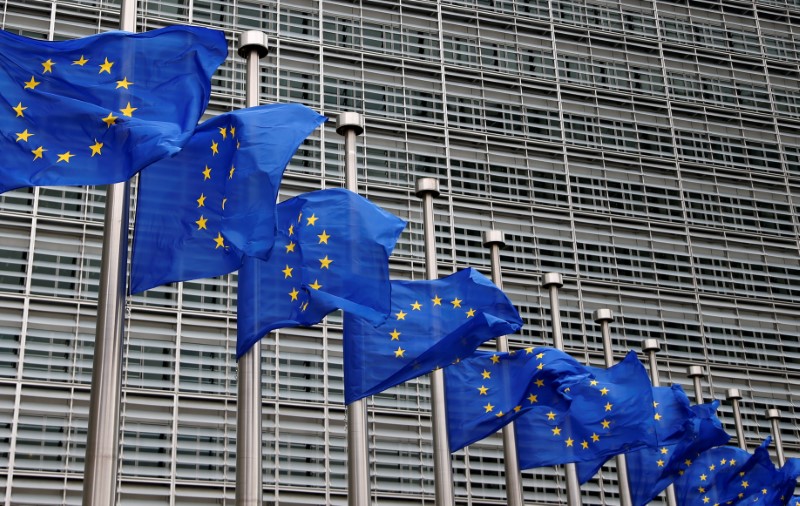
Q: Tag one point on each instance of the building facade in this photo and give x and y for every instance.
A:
(647, 150)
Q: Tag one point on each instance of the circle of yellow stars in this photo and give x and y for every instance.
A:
(227, 134)
(291, 248)
(412, 307)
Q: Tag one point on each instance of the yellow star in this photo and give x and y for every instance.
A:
(220, 241)
(539, 383)
(556, 431)
(38, 152)
(206, 173)
(110, 120)
(64, 157)
(456, 302)
(398, 353)
(106, 67)
(32, 84)
(745, 484)
(395, 335)
(48, 66)
(291, 230)
(664, 451)
(488, 408)
(315, 285)
(323, 237)
(416, 306)
(293, 294)
(706, 500)
(703, 477)
(304, 306)
(603, 391)
(223, 203)
(533, 398)
(732, 462)
(80, 62)
(660, 463)
(233, 131)
(470, 313)
(655, 404)
(128, 111)
(224, 132)
(326, 262)
(551, 416)
(311, 220)
(482, 389)
(290, 247)
(214, 147)
(96, 148)
(585, 445)
(657, 417)
(437, 301)
(595, 437)
(287, 272)
(230, 173)
(569, 441)
(539, 356)
(495, 359)
(517, 409)
(23, 136)
(529, 351)
(723, 462)
(201, 202)
(401, 315)
(18, 109)
(609, 406)
(712, 467)
(687, 462)
(499, 415)
(201, 223)
(593, 383)
(124, 83)
(540, 366)
(606, 424)
(486, 374)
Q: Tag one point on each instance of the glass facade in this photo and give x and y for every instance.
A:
(646, 150)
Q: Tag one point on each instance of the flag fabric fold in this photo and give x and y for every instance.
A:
(332, 252)
(202, 211)
(98, 109)
(599, 413)
(432, 324)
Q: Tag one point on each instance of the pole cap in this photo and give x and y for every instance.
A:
(349, 120)
(253, 40)
(603, 315)
(552, 278)
(733, 394)
(773, 414)
(696, 370)
(651, 344)
(427, 185)
(492, 237)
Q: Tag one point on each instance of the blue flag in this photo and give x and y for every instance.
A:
(432, 323)
(727, 475)
(96, 110)
(332, 252)
(794, 501)
(200, 212)
(600, 413)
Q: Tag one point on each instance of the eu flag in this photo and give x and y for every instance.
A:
(602, 412)
(432, 324)
(96, 110)
(200, 212)
(332, 252)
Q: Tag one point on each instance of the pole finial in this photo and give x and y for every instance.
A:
(773, 414)
(492, 237)
(696, 371)
(427, 185)
(349, 120)
(552, 278)
(651, 344)
(733, 394)
(253, 40)
(603, 315)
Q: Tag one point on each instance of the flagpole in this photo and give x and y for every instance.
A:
(604, 317)
(350, 125)
(651, 347)
(553, 281)
(493, 239)
(774, 416)
(734, 396)
(253, 45)
(696, 372)
(426, 189)
(102, 438)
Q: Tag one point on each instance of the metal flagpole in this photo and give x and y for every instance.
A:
(102, 438)
(774, 416)
(604, 317)
(696, 372)
(651, 347)
(734, 395)
(426, 189)
(553, 281)
(493, 239)
(350, 125)
(253, 45)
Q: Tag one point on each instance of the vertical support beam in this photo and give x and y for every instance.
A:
(604, 317)
(734, 396)
(493, 239)
(427, 189)
(350, 125)
(651, 347)
(102, 438)
(774, 416)
(696, 372)
(553, 281)
(253, 45)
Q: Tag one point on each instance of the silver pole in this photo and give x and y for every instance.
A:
(350, 125)
(426, 189)
(102, 438)
(604, 317)
(493, 239)
(734, 395)
(774, 416)
(553, 281)
(253, 45)
(696, 372)
(651, 347)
